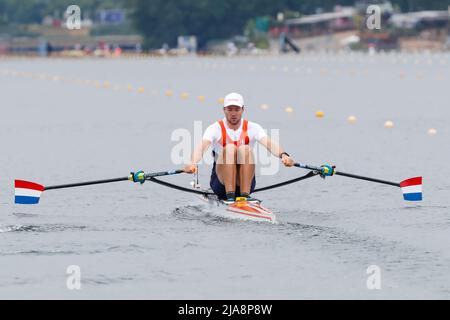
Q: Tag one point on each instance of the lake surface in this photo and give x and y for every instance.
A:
(64, 121)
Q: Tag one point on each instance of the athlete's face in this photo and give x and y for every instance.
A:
(233, 114)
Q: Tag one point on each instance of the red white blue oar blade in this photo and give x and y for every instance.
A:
(27, 192)
(412, 189)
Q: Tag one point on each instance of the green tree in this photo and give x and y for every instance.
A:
(161, 21)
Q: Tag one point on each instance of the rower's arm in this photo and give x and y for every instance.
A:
(200, 151)
(272, 146)
(277, 151)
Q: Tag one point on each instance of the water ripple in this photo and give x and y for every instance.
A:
(41, 228)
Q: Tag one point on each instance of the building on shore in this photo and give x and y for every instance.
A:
(346, 28)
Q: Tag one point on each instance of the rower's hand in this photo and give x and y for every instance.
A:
(287, 161)
(138, 177)
(190, 169)
(327, 171)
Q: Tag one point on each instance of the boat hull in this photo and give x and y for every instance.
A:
(242, 210)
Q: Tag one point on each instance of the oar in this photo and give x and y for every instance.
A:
(411, 188)
(29, 192)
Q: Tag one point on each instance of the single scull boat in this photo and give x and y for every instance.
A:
(29, 192)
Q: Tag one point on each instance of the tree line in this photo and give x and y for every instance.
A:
(161, 21)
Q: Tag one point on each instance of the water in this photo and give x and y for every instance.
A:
(148, 242)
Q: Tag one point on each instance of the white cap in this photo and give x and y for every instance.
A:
(233, 99)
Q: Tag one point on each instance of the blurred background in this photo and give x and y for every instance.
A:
(176, 27)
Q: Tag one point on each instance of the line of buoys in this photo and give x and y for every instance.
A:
(184, 95)
(308, 57)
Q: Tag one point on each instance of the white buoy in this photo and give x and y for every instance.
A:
(389, 124)
(352, 119)
(289, 109)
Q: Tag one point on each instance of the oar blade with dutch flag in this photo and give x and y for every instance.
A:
(412, 189)
(27, 192)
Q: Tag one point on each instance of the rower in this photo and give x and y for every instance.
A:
(232, 140)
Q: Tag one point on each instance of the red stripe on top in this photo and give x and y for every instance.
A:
(28, 185)
(245, 126)
(411, 182)
(224, 134)
(243, 139)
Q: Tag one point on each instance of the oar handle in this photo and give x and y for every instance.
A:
(348, 175)
(308, 167)
(149, 176)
